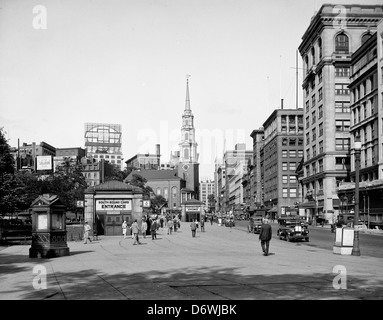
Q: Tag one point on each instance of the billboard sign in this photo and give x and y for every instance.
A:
(44, 162)
(113, 205)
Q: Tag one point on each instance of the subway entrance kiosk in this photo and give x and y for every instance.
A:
(108, 204)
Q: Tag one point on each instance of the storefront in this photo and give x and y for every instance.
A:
(192, 209)
(108, 204)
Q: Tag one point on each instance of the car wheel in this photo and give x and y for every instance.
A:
(288, 238)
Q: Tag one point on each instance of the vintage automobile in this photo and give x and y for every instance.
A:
(291, 229)
(255, 224)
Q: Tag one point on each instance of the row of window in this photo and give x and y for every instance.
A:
(164, 192)
(341, 44)
(367, 109)
(364, 88)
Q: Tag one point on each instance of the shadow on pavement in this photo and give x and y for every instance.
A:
(201, 284)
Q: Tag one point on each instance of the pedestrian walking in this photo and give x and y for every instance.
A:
(175, 224)
(144, 227)
(265, 236)
(193, 227)
(124, 228)
(87, 229)
(170, 227)
(153, 229)
(202, 225)
(135, 229)
(211, 220)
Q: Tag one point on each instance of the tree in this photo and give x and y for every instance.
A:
(7, 162)
(158, 202)
(139, 181)
(211, 201)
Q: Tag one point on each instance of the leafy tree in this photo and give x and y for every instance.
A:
(139, 181)
(7, 162)
(158, 202)
(116, 174)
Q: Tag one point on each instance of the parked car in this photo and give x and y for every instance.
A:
(291, 229)
(255, 224)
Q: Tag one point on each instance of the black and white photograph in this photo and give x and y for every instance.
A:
(191, 156)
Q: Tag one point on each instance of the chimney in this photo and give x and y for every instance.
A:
(281, 104)
(158, 155)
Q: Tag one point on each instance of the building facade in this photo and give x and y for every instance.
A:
(366, 119)
(281, 154)
(235, 164)
(207, 188)
(145, 161)
(255, 179)
(103, 141)
(327, 45)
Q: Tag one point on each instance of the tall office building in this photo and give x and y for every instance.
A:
(335, 32)
(103, 141)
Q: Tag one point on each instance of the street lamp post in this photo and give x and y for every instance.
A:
(357, 148)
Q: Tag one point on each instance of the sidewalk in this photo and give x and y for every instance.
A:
(219, 264)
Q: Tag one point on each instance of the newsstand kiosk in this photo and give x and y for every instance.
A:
(48, 228)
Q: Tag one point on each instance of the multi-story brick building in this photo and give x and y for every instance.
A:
(280, 155)
(335, 32)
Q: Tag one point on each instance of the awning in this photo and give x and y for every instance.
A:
(307, 205)
(273, 209)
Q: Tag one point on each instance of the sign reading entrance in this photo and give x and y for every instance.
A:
(113, 205)
(189, 209)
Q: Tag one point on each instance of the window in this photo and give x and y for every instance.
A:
(320, 49)
(314, 168)
(321, 129)
(284, 153)
(158, 191)
(314, 151)
(307, 106)
(284, 193)
(307, 122)
(293, 193)
(314, 133)
(284, 179)
(292, 153)
(320, 94)
(342, 106)
(342, 144)
(293, 179)
(307, 138)
(308, 154)
(320, 112)
(320, 77)
(292, 142)
(292, 166)
(320, 146)
(342, 72)
(308, 172)
(342, 125)
(300, 142)
(342, 163)
(313, 55)
(284, 166)
(341, 43)
(313, 101)
(166, 196)
(365, 37)
(320, 162)
(341, 89)
(313, 117)
(300, 153)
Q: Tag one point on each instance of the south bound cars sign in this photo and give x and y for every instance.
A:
(113, 205)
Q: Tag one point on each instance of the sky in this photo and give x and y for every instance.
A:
(67, 63)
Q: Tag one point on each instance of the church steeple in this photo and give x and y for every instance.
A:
(188, 145)
(187, 102)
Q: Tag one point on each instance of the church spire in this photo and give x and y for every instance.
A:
(187, 102)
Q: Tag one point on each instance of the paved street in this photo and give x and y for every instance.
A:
(219, 264)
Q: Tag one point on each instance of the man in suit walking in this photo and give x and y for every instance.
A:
(265, 236)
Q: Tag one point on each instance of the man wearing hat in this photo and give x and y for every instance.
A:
(265, 236)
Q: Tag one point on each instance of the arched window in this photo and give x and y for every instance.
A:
(341, 43)
(166, 195)
(307, 63)
(158, 191)
(365, 37)
(174, 192)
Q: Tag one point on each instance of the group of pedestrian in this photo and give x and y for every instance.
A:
(264, 235)
(195, 224)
